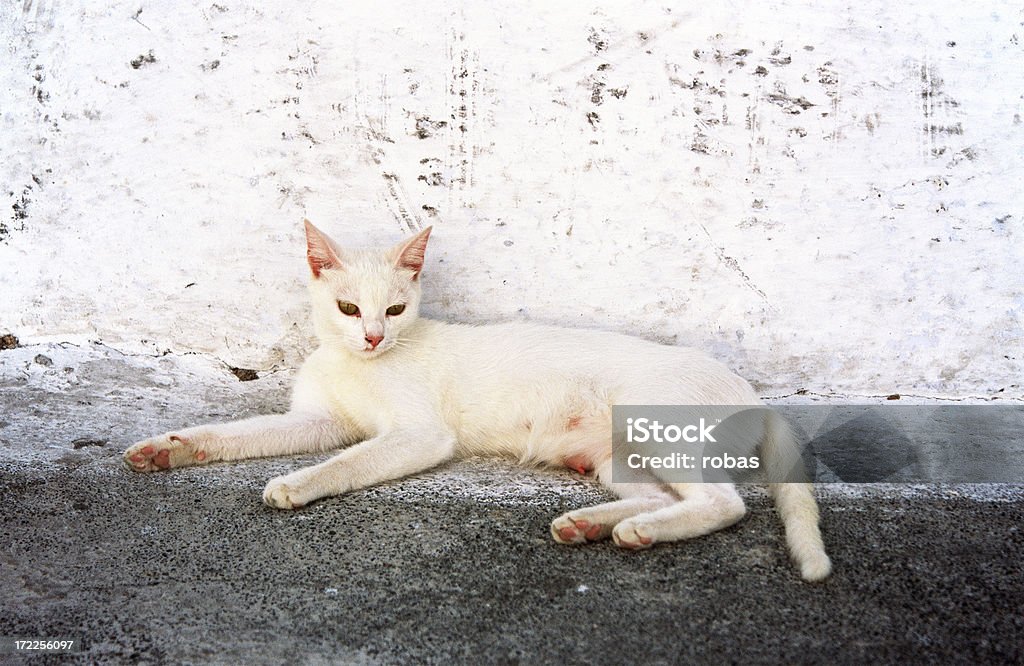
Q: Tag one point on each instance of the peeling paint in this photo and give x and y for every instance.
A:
(824, 197)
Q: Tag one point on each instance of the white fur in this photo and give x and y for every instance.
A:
(430, 392)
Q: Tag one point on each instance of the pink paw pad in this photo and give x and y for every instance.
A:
(593, 532)
(633, 545)
(201, 456)
(567, 533)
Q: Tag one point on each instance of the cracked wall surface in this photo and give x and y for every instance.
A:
(825, 197)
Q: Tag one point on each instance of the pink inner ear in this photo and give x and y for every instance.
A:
(319, 253)
(411, 254)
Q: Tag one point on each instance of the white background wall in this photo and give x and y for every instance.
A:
(824, 195)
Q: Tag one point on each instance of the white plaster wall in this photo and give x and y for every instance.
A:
(824, 195)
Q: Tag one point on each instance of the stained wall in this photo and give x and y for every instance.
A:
(824, 195)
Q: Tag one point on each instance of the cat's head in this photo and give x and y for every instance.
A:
(364, 299)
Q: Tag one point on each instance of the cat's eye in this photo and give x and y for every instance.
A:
(350, 309)
(396, 310)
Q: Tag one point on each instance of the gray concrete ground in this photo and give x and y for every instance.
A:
(451, 566)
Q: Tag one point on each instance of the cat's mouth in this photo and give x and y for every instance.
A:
(369, 351)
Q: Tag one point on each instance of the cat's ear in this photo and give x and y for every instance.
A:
(320, 250)
(409, 254)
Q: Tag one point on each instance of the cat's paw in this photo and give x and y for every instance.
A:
(164, 452)
(816, 568)
(632, 534)
(569, 529)
(282, 495)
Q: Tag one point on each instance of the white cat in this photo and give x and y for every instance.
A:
(405, 394)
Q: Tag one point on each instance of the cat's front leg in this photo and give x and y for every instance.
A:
(276, 434)
(388, 456)
(181, 448)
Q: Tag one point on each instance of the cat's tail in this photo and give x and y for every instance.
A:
(794, 500)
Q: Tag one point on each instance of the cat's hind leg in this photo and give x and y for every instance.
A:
(594, 523)
(277, 434)
(703, 508)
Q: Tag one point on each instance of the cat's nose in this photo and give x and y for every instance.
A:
(374, 340)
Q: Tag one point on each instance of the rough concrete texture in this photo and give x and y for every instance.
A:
(452, 566)
(824, 194)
